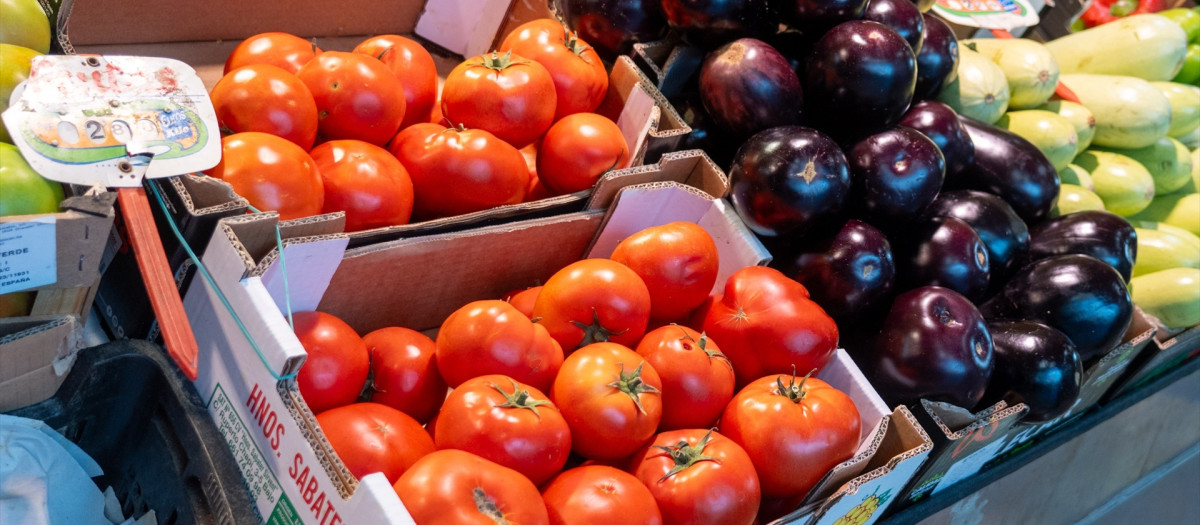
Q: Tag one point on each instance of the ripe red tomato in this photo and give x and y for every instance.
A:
(697, 378)
(508, 95)
(580, 79)
(699, 476)
(285, 51)
(357, 97)
(591, 301)
(599, 494)
(370, 437)
(336, 369)
(678, 263)
(271, 173)
(610, 398)
(366, 182)
(794, 433)
(265, 98)
(523, 300)
(414, 66)
(459, 171)
(404, 372)
(577, 150)
(508, 422)
(453, 487)
(767, 325)
(491, 337)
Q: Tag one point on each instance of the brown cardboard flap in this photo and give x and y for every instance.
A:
(692, 167)
(429, 277)
(203, 195)
(32, 387)
(621, 81)
(956, 422)
(908, 439)
(29, 343)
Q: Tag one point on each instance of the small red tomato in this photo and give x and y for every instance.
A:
(599, 494)
(336, 369)
(508, 422)
(459, 171)
(697, 378)
(491, 337)
(577, 150)
(414, 66)
(370, 437)
(366, 182)
(594, 300)
(282, 50)
(794, 433)
(404, 372)
(699, 476)
(610, 398)
(266, 98)
(580, 78)
(357, 97)
(523, 300)
(507, 95)
(677, 261)
(271, 173)
(453, 487)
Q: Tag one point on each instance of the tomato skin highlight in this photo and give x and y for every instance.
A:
(579, 149)
(370, 437)
(271, 173)
(357, 97)
(266, 98)
(404, 372)
(678, 262)
(366, 182)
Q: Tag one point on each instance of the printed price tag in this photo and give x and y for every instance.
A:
(27, 255)
(113, 119)
(988, 14)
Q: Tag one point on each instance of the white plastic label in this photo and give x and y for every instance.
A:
(988, 14)
(113, 120)
(28, 256)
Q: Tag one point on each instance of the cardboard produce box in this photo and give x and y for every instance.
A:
(1165, 351)
(450, 30)
(58, 257)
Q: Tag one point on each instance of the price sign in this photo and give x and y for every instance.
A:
(988, 14)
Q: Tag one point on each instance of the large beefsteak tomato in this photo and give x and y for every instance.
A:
(599, 494)
(492, 337)
(283, 50)
(404, 372)
(366, 182)
(272, 173)
(454, 487)
(370, 437)
(699, 476)
(697, 378)
(594, 300)
(414, 66)
(357, 97)
(336, 369)
(510, 96)
(677, 261)
(262, 97)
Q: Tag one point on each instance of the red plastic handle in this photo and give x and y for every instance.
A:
(1061, 89)
(160, 283)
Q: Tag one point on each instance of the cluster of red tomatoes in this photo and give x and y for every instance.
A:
(513, 125)
(620, 391)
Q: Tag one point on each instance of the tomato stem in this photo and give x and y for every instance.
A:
(488, 507)
(795, 393)
(595, 332)
(496, 61)
(686, 455)
(573, 43)
(519, 398)
(631, 385)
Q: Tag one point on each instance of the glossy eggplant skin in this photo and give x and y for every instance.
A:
(847, 274)
(1010, 167)
(789, 181)
(942, 251)
(896, 174)
(940, 123)
(1100, 234)
(709, 24)
(1003, 233)
(860, 80)
(1078, 295)
(818, 16)
(748, 86)
(937, 60)
(612, 27)
(900, 15)
(934, 345)
(1036, 365)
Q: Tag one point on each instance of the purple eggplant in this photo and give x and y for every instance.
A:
(1003, 233)
(1080, 296)
(934, 345)
(860, 80)
(1010, 167)
(1036, 365)
(789, 181)
(709, 24)
(1100, 234)
(613, 26)
(901, 15)
(848, 274)
(937, 61)
(940, 123)
(818, 16)
(747, 86)
(942, 251)
(896, 174)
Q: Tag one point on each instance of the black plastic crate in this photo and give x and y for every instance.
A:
(132, 410)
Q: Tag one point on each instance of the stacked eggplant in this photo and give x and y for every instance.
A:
(924, 233)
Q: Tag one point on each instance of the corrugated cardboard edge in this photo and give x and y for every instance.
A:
(49, 347)
(1162, 352)
(948, 416)
(202, 195)
(343, 480)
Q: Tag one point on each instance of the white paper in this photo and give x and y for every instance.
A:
(28, 257)
(44, 478)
